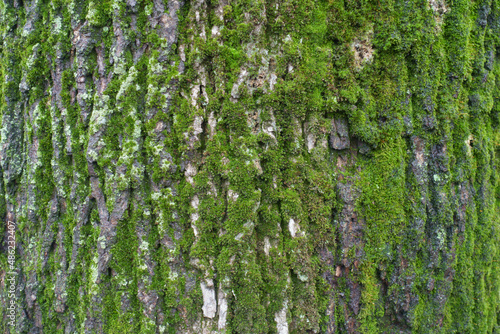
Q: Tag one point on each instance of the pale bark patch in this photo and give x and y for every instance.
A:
(209, 303)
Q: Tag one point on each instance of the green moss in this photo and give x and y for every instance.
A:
(422, 168)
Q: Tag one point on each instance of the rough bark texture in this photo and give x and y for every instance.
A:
(251, 166)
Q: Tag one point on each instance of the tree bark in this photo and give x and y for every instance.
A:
(250, 166)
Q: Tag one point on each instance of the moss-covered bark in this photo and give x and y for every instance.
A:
(251, 166)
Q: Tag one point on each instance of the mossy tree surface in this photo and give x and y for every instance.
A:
(251, 166)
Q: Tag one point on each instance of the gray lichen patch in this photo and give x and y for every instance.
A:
(439, 9)
(362, 49)
(339, 134)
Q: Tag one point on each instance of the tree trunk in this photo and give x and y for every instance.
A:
(250, 166)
